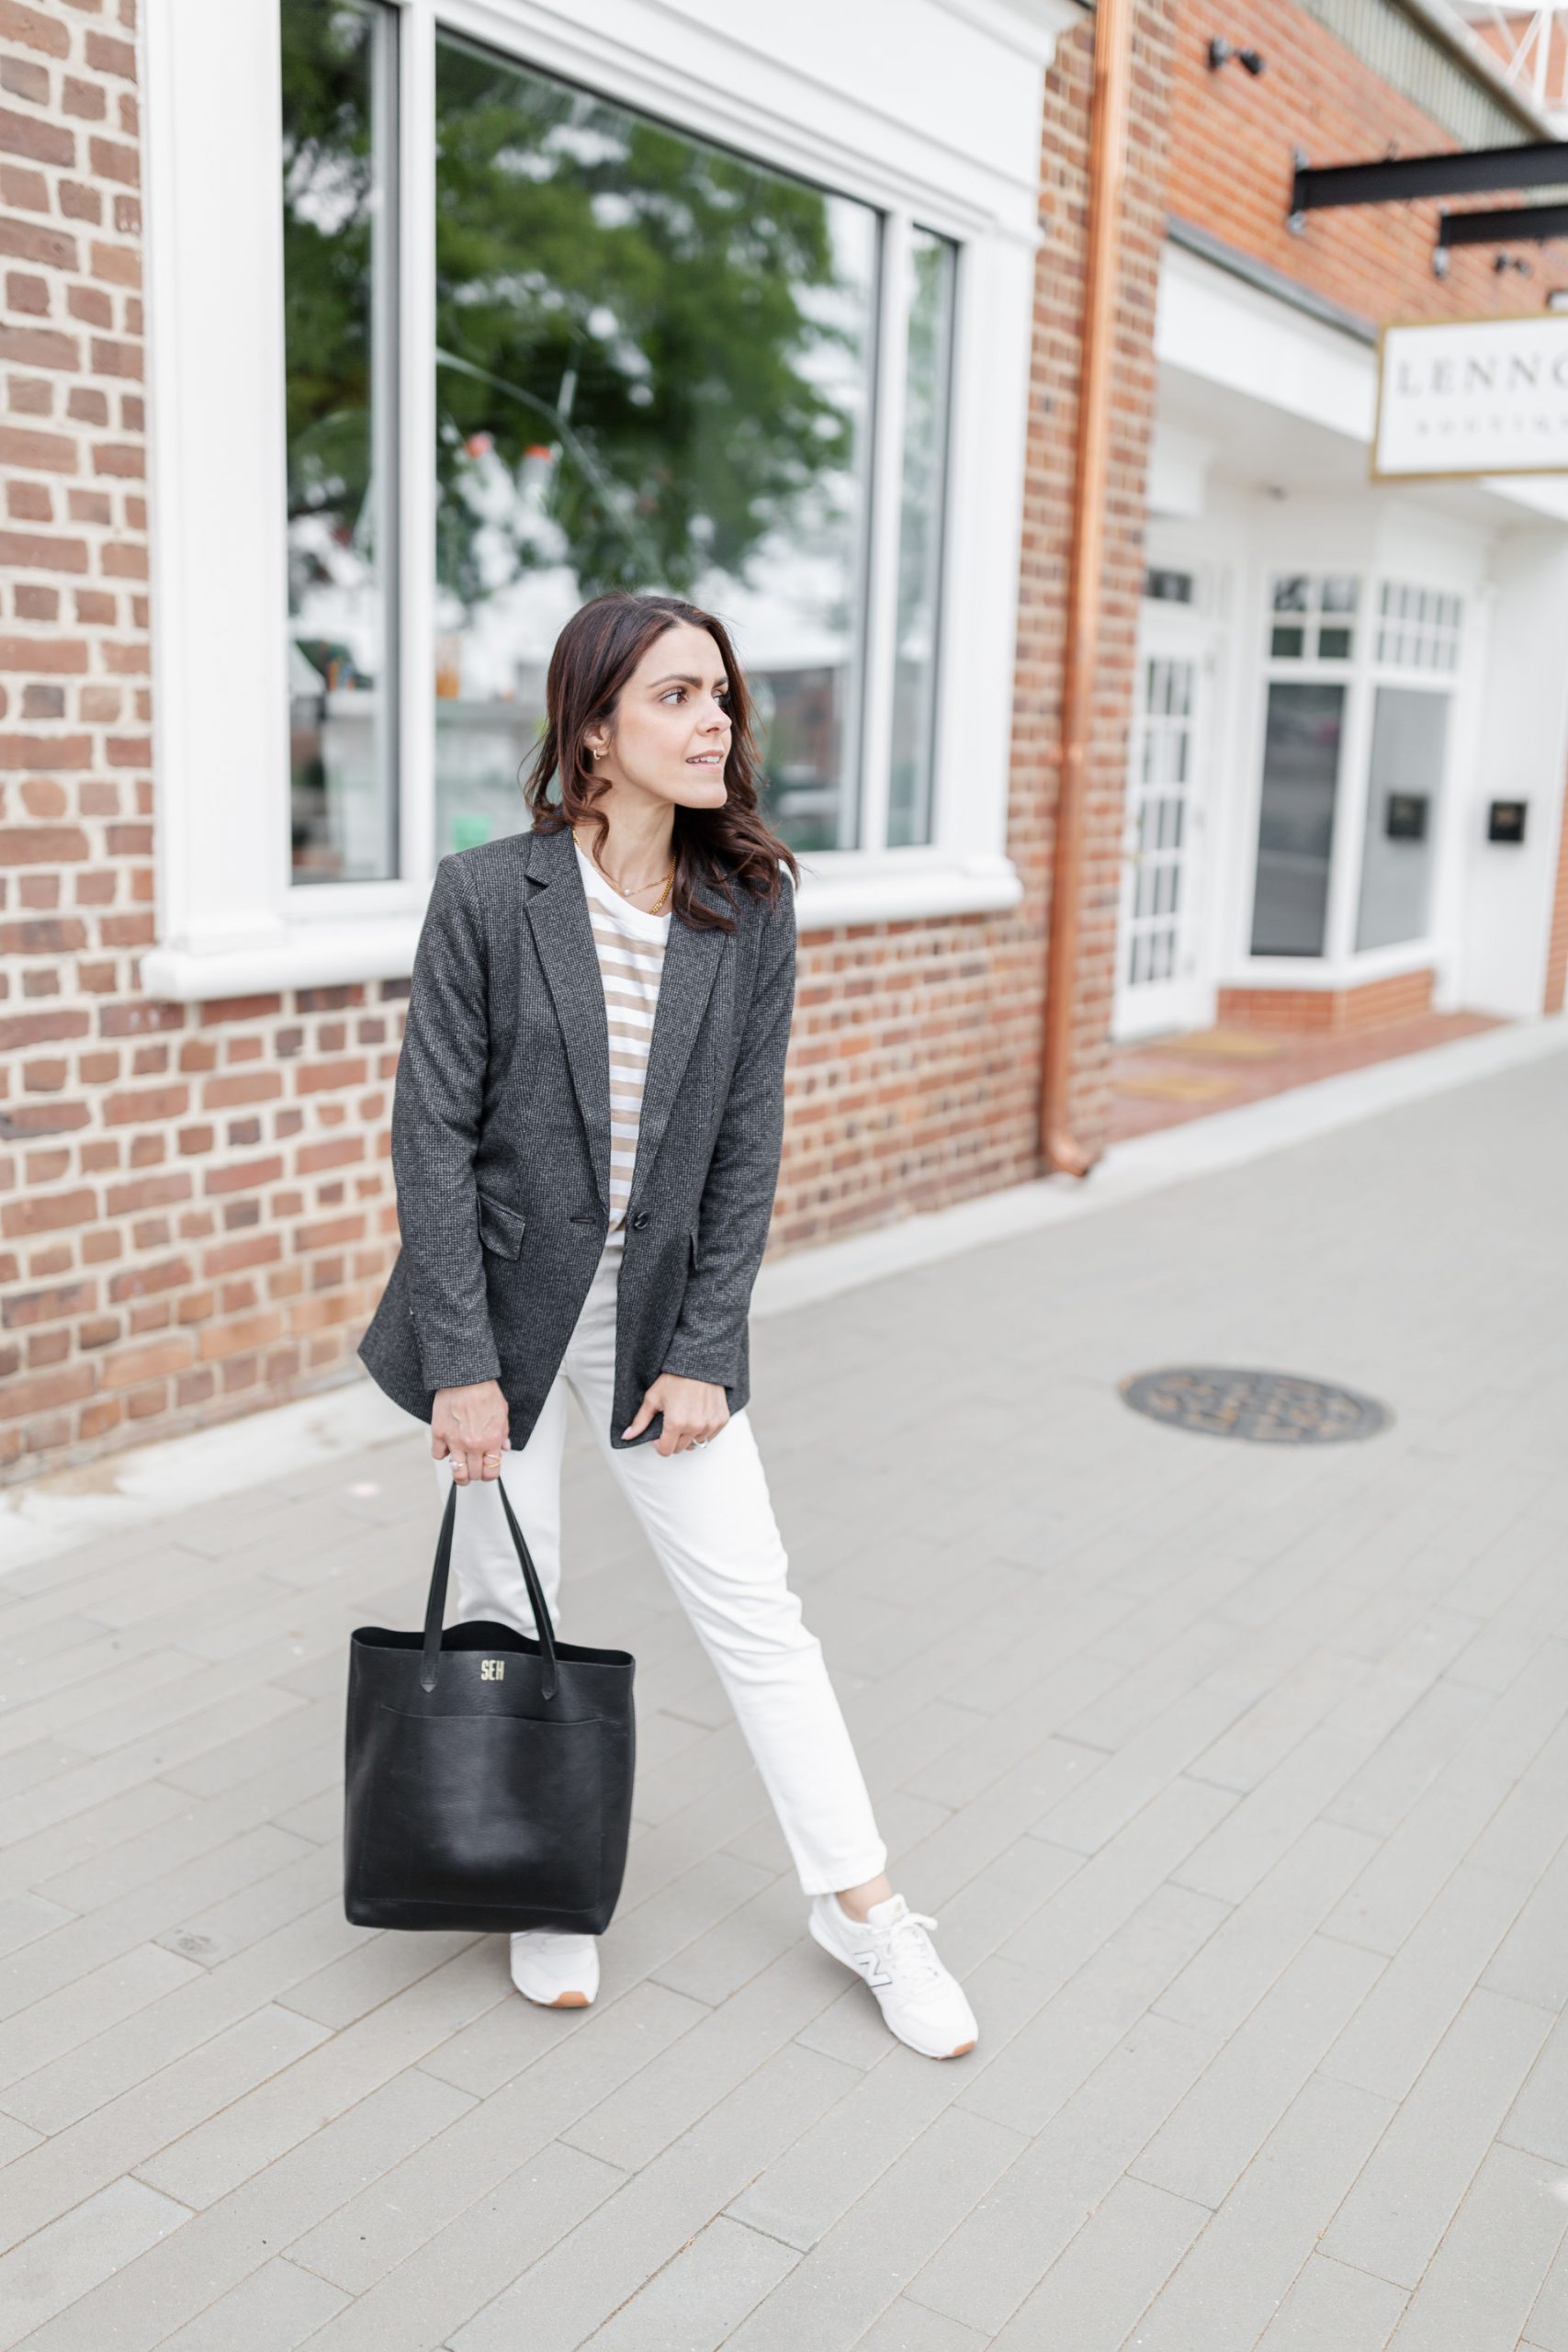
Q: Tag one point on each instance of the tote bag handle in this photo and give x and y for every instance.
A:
(435, 1609)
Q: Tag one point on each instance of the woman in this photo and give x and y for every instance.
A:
(586, 1133)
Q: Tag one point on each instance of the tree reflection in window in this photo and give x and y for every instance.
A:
(653, 370)
(338, 81)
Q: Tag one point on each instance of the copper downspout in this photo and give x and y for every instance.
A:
(1107, 175)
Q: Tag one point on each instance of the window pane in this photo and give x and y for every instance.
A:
(1409, 738)
(927, 342)
(653, 371)
(1295, 831)
(339, 86)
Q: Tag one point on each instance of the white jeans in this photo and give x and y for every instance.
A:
(707, 1514)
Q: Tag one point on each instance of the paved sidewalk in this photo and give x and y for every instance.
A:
(1238, 1780)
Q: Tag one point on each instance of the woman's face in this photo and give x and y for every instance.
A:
(670, 736)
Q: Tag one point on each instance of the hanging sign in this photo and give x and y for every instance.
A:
(1473, 396)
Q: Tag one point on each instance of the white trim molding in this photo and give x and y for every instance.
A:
(907, 887)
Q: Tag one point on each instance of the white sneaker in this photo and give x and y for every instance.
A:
(922, 2002)
(560, 1971)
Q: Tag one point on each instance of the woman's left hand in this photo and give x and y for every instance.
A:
(691, 1409)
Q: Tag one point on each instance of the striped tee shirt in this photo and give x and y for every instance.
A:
(631, 947)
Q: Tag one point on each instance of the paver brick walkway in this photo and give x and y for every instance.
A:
(1238, 1778)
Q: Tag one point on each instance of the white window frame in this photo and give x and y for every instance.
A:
(1342, 965)
(836, 95)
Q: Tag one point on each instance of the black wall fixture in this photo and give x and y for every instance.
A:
(1221, 52)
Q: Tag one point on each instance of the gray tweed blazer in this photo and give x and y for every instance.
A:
(500, 1140)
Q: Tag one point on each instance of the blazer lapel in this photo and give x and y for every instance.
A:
(564, 935)
(564, 938)
(691, 961)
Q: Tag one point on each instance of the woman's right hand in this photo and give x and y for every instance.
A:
(469, 1423)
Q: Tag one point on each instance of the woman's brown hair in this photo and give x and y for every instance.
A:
(594, 655)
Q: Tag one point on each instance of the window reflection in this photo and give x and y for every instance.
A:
(339, 70)
(653, 370)
(1404, 793)
(927, 340)
(1295, 829)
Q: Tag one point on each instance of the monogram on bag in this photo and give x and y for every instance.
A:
(489, 1781)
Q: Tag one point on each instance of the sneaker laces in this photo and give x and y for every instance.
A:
(907, 1947)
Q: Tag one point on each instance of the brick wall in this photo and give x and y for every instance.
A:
(1233, 146)
(196, 1212)
(1336, 1013)
(1048, 519)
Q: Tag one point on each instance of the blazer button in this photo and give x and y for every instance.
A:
(639, 1220)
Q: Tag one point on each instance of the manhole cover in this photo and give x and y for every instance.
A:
(1270, 1407)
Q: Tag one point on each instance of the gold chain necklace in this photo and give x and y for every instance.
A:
(628, 895)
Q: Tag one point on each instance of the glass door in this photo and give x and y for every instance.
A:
(1159, 982)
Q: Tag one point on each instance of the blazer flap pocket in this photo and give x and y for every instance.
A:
(500, 1229)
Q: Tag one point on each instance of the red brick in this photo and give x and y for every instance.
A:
(33, 28)
(29, 1120)
(243, 1176)
(233, 1338)
(66, 655)
(33, 752)
(41, 141)
(112, 162)
(26, 292)
(144, 1103)
(85, 101)
(40, 347)
(117, 264)
(26, 240)
(23, 550)
(146, 1192)
(45, 1213)
(157, 1360)
(105, 56)
(26, 1307)
(24, 80)
(90, 304)
(41, 845)
(40, 1391)
(29, 191)
(80, 203)
(116, 358)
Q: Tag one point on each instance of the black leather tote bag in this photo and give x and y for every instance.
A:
(488, 1774)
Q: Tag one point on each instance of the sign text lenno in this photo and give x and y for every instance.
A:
(1473, 396)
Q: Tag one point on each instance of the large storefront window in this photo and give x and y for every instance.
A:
(654, 370)
(655, 363)
(1331, 682)
(339, 236)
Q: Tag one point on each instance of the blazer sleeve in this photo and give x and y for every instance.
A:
(437, 1103)
(743, 1173)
